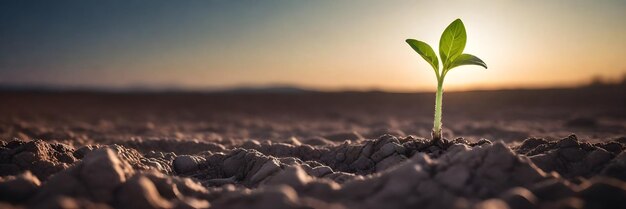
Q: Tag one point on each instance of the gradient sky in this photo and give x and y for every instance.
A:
(326, 44)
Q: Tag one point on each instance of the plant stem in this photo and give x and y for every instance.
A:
(436, 134)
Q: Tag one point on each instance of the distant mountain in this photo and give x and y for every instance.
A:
(266, 89)
(282, 89)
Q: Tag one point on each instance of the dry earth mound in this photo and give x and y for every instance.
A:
(387, 172)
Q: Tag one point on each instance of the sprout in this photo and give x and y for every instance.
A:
(451, 47)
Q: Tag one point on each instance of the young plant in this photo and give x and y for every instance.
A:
(451, 47)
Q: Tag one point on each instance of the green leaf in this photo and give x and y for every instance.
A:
(425, 51)
(452, 42)
(467, 59)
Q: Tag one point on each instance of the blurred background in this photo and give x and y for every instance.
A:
(102, 71)
(327, 45)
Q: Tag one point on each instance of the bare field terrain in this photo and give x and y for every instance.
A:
(552, 148)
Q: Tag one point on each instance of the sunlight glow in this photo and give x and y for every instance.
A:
(328, 45)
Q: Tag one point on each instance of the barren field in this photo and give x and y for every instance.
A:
(555, 148)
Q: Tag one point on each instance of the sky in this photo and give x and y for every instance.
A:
(320, 44)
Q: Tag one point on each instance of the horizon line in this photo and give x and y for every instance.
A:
(272, 88)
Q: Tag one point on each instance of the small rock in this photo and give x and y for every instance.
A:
(294, 141)
(368, 149)
(234, 162)
(81, 152)
(102, 171)
(456, 148)
(530, 143)
(140, 192)
(385, 151)
(187, 164)
(385, 139)
(570, 141)
(499, 156)
(251, 144)
(18, 188)
(269, 167)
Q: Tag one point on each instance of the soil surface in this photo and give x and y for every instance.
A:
(558, 148)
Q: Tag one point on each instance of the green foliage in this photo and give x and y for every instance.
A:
(452, 42)
(425, 51)
(467, 59)
(451, 46)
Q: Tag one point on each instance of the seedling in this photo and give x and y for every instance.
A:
(451, 47)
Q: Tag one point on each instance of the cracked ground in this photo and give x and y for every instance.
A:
(558, 148)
